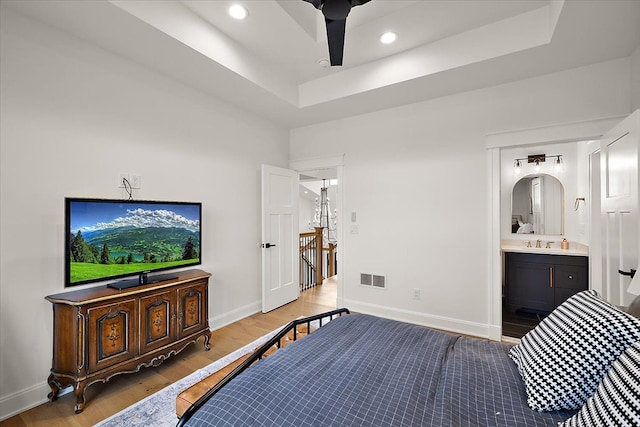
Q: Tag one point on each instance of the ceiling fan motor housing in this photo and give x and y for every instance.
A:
(335, 15)
(336, 9)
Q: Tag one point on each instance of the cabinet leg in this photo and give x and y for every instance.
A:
(55, 386)
(207, 337)
(78, 391)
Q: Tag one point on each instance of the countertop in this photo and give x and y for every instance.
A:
(575, 249)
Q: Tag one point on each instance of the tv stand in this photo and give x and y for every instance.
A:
(143, 279)
(102, 332)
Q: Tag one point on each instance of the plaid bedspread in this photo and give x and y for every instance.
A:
(361, 370)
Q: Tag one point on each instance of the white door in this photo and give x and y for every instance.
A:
(620, 229)
(280, 272)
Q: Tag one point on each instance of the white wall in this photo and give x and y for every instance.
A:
(306, 209)
(635, 79)
(72, 118)
(414, 173)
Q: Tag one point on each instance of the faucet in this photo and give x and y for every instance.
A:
(549, 245)
(538, 242)
(528, 243)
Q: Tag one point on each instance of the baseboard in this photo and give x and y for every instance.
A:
(438, 322)
(23, 400)
(232, 316)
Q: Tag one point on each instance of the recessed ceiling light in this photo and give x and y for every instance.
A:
(324, 63)
(388, 37)
(238, 12)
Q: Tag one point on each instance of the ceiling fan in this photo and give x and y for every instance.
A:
(335, 16)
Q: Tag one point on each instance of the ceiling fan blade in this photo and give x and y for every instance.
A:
(335, 38)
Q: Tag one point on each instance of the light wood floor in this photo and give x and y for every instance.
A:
(104, 400)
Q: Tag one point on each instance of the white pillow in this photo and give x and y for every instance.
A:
(525, 229)
(617, 400)
(563, 360)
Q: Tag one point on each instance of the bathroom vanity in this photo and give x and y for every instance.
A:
(540, 281)
(538, 273)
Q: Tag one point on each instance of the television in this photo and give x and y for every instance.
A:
(110, 239)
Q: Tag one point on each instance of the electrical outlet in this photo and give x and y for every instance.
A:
(136, 181)
(416, 293)
(121, 178)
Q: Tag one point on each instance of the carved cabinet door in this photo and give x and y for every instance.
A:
(192, 315)
(157, 320)
(112, 333)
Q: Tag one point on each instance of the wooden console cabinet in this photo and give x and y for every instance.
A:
(102, 332)
(540, 282)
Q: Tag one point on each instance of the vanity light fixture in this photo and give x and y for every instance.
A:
(536, 167)
(557, 163)
(517, 167)
(238, 12)
(536, 159)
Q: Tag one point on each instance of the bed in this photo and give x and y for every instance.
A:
(362, 370)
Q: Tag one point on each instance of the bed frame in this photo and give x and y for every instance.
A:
(290, 330)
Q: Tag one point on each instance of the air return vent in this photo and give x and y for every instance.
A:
(379, 281)
(373, 280)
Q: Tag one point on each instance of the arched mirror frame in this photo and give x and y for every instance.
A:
(554, 194)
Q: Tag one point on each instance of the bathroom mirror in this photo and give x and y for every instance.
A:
(537, 205)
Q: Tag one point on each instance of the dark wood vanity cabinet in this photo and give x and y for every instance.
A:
(102, 332)
(541, 282)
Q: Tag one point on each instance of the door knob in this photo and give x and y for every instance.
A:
(268, 245)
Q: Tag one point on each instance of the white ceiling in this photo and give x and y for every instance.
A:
(268, 63)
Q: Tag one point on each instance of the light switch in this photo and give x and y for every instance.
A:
(353, 217)
(354, 228)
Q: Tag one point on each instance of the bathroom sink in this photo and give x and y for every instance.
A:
(576, 249)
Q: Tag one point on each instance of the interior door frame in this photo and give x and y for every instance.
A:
(337, 162)
(494, 142)
(625, 135)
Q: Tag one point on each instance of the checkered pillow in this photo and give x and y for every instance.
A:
(563, 360)
(617, 400)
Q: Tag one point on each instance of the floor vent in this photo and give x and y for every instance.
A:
(373, 280)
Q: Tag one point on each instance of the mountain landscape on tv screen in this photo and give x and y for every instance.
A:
(140, 240)
(161, 243)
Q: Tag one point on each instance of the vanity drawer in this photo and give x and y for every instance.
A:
(570, 276)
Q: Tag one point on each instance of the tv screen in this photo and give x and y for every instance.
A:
(108, 239)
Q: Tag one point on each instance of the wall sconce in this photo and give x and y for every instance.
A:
(557, 163)
(517, 167)
(536, 159)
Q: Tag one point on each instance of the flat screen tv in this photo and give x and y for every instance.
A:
(110, 239)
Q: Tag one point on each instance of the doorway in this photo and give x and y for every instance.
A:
(316, 169)
(319, 249)
(496, 144)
